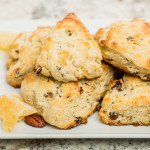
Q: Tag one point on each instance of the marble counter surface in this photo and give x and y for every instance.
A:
(92, 144)
(89, 9)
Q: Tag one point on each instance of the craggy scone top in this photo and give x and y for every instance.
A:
(126, 102)
(25, 40)
(65, 105)
(70, 53)
(129, 38)
(23, 54)
(127, 93)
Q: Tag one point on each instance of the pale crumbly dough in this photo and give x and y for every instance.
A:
(65, 105)
(70, 53)
(127, 102)
(126, 45)
(23, 54)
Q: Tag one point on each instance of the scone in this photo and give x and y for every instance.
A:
(125, 44)
(65, 105)
(24, 52)
(70, 53)
(127, 102)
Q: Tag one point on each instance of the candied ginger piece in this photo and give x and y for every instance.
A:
(12, 109)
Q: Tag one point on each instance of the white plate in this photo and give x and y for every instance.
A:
(93, 129)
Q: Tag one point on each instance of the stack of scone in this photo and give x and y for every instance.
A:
(126, 45)
(61, 70)
(62, 75)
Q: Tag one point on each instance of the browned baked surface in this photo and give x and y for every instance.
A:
(125, 44)
(127, 102)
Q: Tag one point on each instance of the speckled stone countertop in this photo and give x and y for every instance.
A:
(88, 9)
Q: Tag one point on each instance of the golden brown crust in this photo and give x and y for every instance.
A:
(127, 102)
(24, 52)
(65, 105)
(71, 17)
(73, 124)
(127, 44)
(61, 56)
(104, 119)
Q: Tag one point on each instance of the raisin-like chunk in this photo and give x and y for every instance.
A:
(118, 86)
(81, 90)
(78, 120)
(58, 68)
(17, 51)
(69, 32)
(113, 115)
(49, 94)
(38, 71)
(18, 74)
(102, 42)
(130, 38)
